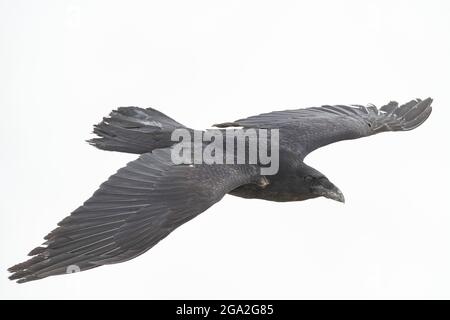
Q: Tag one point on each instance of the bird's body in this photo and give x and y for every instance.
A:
(146, 200)
(287, 185)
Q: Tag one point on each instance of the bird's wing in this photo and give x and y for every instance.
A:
(133, 210)
(304, 130)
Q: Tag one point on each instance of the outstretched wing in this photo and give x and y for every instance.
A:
(137, 207)
(304, 130)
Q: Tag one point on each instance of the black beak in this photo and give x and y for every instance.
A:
(333, 193)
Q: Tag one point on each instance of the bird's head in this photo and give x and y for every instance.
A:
(322, 187)
(315, 184)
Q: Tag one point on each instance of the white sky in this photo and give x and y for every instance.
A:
(65, 64)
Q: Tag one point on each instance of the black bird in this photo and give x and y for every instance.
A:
(151, 196)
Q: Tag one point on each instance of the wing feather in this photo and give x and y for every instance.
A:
(137, 207)
(305, 130)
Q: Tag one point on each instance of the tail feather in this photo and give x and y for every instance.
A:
(134, 130)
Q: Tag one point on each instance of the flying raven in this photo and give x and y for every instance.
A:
(151, 196)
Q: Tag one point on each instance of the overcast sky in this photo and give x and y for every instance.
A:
(66, 64)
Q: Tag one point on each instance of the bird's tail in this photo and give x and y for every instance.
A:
(134, 130)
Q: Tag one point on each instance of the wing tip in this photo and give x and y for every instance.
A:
(405, 117)
(20, 272)
(417, 114)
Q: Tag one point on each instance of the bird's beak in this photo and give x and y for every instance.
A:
(335, 194)
(331, 193)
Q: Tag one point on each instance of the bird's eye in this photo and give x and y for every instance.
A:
(308, 179)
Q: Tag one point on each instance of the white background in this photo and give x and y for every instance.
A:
(65, 64)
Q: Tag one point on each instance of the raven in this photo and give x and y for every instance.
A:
(151, 196)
